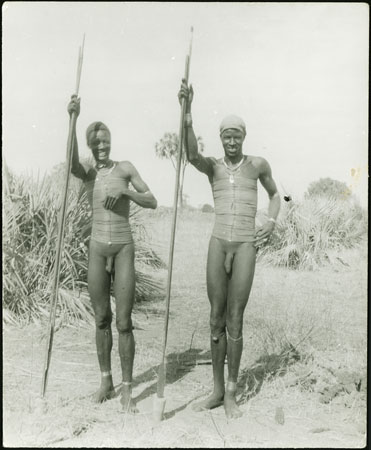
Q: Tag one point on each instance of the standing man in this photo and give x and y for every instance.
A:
(107, 185)
(232, 248)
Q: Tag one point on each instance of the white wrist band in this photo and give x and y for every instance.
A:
(272, 220)
(188, 120)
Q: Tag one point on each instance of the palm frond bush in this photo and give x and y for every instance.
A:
(30, 228)
(306, 232)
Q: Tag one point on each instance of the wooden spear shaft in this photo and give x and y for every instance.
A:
(61, 225)
(162, 368)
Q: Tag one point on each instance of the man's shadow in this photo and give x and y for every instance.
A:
(249, 383)
(267, 366)
(178, 365)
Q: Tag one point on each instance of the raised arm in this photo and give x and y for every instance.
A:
(77, 168)
(269, 185)
(201, 163)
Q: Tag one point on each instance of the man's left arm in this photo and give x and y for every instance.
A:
(266, 179)
(142, 196)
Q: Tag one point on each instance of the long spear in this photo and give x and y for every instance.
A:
(159, 402)
(62, 217)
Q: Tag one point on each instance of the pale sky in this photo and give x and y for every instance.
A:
(296, 72)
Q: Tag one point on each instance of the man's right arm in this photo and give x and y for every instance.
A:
(190, 141)
(77, 168)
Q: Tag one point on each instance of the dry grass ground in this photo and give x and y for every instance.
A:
(303, 369)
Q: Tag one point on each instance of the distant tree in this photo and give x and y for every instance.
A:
(206, 208)
(327, 187)
(167, 148)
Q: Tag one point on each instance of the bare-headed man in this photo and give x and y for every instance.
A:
(111, 242)
(232, 247)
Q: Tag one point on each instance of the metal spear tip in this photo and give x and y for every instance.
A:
(190, 43)
(158, 409)
(39, 405)
(83, 44)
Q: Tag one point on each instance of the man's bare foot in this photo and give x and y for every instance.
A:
(105, 392)
(232, 411)
(127, 402)
(211, 402)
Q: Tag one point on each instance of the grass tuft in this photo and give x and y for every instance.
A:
(307, 232)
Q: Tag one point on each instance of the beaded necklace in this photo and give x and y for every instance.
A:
(102, 174)
(233, 170)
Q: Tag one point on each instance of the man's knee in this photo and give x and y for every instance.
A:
(234, 326)
(124, 326)
(103, 320)
(217, 327)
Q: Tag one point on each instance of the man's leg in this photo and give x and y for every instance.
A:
(99, 282)
(238, 295)
(217, 282)
(124, 288)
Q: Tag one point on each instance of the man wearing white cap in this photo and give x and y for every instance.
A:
(232, 248)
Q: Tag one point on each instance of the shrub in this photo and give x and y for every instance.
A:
(327, 187)
(206, 208)
(306, 231)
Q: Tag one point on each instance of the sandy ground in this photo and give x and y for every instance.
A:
(333, 304)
